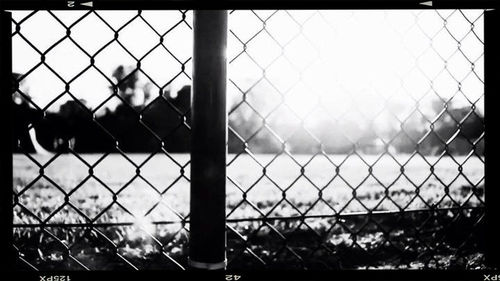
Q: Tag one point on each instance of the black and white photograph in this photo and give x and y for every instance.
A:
(247, 139)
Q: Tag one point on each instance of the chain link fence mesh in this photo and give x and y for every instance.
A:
(356, 139)
(372, 122)
(112, 208)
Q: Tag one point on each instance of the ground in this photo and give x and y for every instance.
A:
(151, 232)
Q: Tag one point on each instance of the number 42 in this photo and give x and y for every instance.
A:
(232, 277)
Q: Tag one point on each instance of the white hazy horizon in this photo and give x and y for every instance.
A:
(366, 59)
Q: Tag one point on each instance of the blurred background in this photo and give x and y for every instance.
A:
(355, 139)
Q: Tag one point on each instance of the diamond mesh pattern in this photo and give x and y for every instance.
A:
(330, 196)
(90, 219)
(328, 168)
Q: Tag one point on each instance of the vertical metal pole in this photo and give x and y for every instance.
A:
(6, 211)
(491, 89)
(207, 247)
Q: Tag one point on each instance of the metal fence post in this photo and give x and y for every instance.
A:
(207, 247)
(491, 89)
(6, 154)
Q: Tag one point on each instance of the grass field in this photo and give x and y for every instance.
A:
(428, 243)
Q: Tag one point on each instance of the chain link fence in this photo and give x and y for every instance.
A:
(96, 90)
(355, 139)
(372, 127)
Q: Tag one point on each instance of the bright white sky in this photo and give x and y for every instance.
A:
(343, 56)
